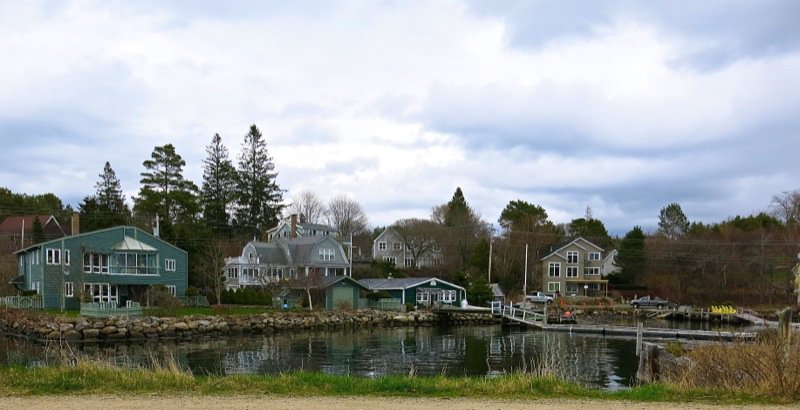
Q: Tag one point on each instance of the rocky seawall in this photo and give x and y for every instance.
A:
(45, 327)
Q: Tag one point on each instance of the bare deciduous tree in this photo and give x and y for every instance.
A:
(213, 267)
(347, 216)
(308, 206)
(418, 236)
(786, 207)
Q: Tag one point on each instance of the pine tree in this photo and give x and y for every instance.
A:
(672, 222)
(631, 258)
(164, 191)
(258, 195)
(106, 208)
(219, 182)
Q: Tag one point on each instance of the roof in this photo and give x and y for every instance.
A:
(14, 224)
(402, 283)
(574, 241)
(130, 244)
(124, 228)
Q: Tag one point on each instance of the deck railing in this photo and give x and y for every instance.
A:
(108, 309)
(381, 304)
(22, 302)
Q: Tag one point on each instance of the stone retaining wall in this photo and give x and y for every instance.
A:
(43, 327)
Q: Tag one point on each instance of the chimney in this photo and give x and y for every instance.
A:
(75, 224)
(156, 230)
(293, 234)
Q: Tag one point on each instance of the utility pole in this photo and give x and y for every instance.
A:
(490, 258)
(525, 281)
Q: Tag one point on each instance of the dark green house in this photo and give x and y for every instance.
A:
(419, 291)
(336, 292)
(109, 265)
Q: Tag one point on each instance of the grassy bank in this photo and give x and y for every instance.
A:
(103, 379)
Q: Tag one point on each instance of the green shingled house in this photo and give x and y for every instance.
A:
(109, 265)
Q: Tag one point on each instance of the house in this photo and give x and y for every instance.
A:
(419, 291)
(340, 292)
(16, 231)
(108, 265)
(575, 269)
(263, 263)
(609, 267)
(291, 228)
(391, 247)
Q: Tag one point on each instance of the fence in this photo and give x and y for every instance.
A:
(381, 304)
(108, 309)
(22, 302)
(195, 301)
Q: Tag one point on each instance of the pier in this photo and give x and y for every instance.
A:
(538, 319)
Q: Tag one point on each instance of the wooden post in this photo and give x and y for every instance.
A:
(785, 323)
(639, 328)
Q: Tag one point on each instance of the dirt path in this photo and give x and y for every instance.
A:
(335, 403)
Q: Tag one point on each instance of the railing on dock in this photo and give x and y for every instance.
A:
(108, 309)
(22, 302)
(521, 315)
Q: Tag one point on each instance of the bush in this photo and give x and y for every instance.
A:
(379, 295)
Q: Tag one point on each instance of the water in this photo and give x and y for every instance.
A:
(592, 360)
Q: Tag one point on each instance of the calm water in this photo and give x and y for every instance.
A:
(602, 362)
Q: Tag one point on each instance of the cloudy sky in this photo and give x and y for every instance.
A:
(622, 106)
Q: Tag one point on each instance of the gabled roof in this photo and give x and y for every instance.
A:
(385, 232)
(579, 242)
(402, 283)
(14, 224)
(123, 228)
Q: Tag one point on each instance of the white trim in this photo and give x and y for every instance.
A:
(69, 289)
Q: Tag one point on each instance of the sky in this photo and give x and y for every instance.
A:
(620, 106)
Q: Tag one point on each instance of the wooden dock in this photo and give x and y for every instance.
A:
(538, 320)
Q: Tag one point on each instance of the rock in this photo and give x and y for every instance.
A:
(91, 333)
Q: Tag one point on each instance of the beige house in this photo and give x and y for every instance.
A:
(576, 269)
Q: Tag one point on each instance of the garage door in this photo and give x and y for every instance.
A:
(342, 298)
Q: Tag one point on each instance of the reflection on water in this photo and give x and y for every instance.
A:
(478, 350)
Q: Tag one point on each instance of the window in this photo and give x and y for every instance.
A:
(381, 246)
(591, 271)
(409, 262)
(423, 297)
(572, 271)
(326, 254)
(553, 286)
(66, 257)
(594, 256)
(391, 259)
(232, 272)
(572, 256)
(135, 264)
(95, 263)
(69, 289)
(554, 269)
(448, 296)
(572, 288)
(171, 289)
(169, 265)
(397, 246)
(37, 286)
(54, 256)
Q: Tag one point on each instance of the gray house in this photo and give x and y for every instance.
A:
(575, 269)
(262, 263)
(109, 265)
(391, 247)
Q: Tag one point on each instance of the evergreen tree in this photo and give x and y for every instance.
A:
(258, 195)
(106, 208)
(631, 257)
(592, 229)
(38, 231)
(164, 191)
(464, 228)
(219, 182)
(672, 222)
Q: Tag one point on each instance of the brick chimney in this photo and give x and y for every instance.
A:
(293, 233)
(75, 224)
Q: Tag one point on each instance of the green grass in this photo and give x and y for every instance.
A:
(226, 310)
(102, 379)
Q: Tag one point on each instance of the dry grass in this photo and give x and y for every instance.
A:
(769, 367)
